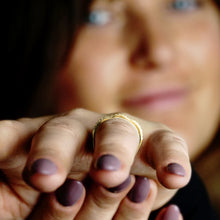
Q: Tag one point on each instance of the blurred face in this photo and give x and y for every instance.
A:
(155, 59)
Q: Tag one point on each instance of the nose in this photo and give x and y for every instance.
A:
(151, 44)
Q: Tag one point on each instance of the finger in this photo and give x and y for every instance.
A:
(14, 135)
(102, 203)
(54, 148)
(139, 202)
(64, 204)
(171, 212)
(116, 144)
(168, 154)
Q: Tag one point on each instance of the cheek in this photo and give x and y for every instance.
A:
(201, 54)
(208, 61)
(206, 79)
(90, 76)
(95, 78)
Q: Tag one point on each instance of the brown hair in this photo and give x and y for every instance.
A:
(40, 33)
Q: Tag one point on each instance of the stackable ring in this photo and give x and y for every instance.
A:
(120, 116)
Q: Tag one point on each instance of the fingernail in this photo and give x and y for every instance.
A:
(69, 193)
(172, 213)
(108, 162)
(43, 166)
(176, 168)
(120, 187)
(140, 190)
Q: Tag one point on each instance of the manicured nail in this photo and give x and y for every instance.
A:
(108, 162)
(120, 187)
(69, 193)
(140, 190)
(43, 166)
(172, 213)
(177, 169)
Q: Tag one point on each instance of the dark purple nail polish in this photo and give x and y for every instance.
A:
(176, 169)
(69, 193)
(108, 162)
(140, 190)
(120, 187)
(172, 213)
(43, 166)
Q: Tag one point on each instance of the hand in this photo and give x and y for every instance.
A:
(70, 132)
(51, 209)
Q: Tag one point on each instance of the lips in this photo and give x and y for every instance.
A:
(157, 100)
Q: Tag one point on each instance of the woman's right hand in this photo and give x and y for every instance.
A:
(61, 147)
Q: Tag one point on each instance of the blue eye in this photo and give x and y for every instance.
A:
(99, 17)
(185, 5)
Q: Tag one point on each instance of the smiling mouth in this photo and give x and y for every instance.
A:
(157, 101)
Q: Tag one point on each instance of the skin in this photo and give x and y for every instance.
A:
(124, 65)
(147, 48)
(99, 202)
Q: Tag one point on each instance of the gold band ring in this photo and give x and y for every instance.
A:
(121, 116)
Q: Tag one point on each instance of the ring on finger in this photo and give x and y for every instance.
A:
(120, 116)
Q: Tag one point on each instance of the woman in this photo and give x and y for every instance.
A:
(146, 59)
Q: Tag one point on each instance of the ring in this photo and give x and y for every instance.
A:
(121, 116)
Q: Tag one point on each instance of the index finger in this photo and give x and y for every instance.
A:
(116, 144)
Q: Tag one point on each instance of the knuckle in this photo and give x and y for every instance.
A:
(24, 120)
(166, 143)
(10, 124)
(77, 113)
(166, 137)
(9, 135)
(160, 136)
(118, 127)
(10, 129)
(62, 125)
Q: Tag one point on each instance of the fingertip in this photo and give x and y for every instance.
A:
(140, 190)
(172, 212)
(64, 203)
(43, 175)
(139, 201)
(168, 154)
(176, 169)
(108, 171)
(44, 167)
(173, 175)
(108, 162)
(69, 193)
